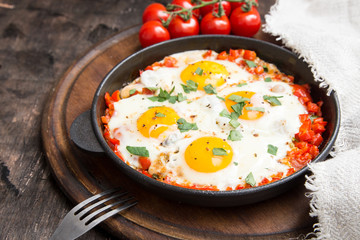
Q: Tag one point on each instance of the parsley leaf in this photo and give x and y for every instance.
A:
(266, 69)
(209, 89)
(250, 179)
(236, 163)
(251, 64)
(225, 113)
(185, 126)
(273, 100)
(139, 151)
(181, 97)
(259, 109)
(268, 79)
(234, 135)
(132, 91)
(199, 71)
(159, 114)
(238, 99)
(221, 98)
(312, 117)
(219, 152)
(241, 84)
(238, 107)
(234, 123)
(190, 86)
(272, 149)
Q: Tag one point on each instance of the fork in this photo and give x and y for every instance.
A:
(81, 219)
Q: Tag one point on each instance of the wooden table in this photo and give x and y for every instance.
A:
(39, 41)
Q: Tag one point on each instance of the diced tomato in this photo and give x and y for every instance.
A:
(108, 99)
(302, 92)
(222, 56)
(249, 55)
(290, 171)
(264, 181)
(105, 119)
(114, 141)
(235, 53)
(303, 117)
(170, 62)
(145, 162)
(317, 139)
(312, 107)
(259, 70)
(318, 128)
(116, 96)
(207, 54)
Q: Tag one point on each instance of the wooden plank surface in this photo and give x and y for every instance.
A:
(39, 40)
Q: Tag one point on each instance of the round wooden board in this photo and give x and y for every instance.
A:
(81, 174)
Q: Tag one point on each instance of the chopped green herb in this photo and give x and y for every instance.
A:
(159, 114)
(199, 71)
(234, 116)
(165, 95)
(153, 89)
(209, 89)
(234, 135)
(173, 99)
(259, 109)
(251, 64)
(312, 117)
(268, 79)
(185, 126)
(241, 84)
(266, 69)
(238, 99)
(181, 97)
(139, 151)
(219, 152)
(273, 100)
(238, 107)
(132, 91)
(221, 98)
(190, 86)
(236, 163)
(250, 179)
(225, 113)
(234, 123)
(272, 149)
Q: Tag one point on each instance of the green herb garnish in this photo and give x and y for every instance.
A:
(185, 126)
(250, 64)
(268, 79)
(190, 86)
(219, 152)
(225, 113)
(238, 99)
(272, 149)
(273, 100)
(209, 89)
(259, 109)
(139, 151)
(159, 114)
(199, 71)
(238, 107)
(241, 84)
(250, 179)
(234, 135)
(181, 97)
(221, 98)
(266, 69)
(312, 117)
(132, 91)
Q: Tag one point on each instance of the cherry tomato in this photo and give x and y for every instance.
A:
(237, 4)
(155, 11)
(215, 7)
(245, 24)
(186, 4)
(215, 25)
(152, 32)
(180, 28)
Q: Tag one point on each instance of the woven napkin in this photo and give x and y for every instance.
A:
(326, 34)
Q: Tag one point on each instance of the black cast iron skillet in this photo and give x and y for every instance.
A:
(87, 131)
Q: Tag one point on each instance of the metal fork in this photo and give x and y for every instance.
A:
(81, 219)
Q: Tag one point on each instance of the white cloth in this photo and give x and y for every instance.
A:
(326, 33)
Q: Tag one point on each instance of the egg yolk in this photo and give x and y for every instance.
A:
(156, 120)
(246, 114)
(204, 73)
(201, 156)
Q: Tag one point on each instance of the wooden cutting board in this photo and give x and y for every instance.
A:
(81, 175)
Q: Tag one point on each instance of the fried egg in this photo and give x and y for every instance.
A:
(208, 122)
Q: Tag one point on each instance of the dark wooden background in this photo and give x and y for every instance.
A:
(39, 40)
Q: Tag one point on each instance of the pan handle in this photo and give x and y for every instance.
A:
(82, 134)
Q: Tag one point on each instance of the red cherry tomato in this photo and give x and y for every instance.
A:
(152, 32)
(237, 4)
(180, 28)
(245, 24)
(155, 11)
(215, 25)
(215, 7)
(186, 4)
